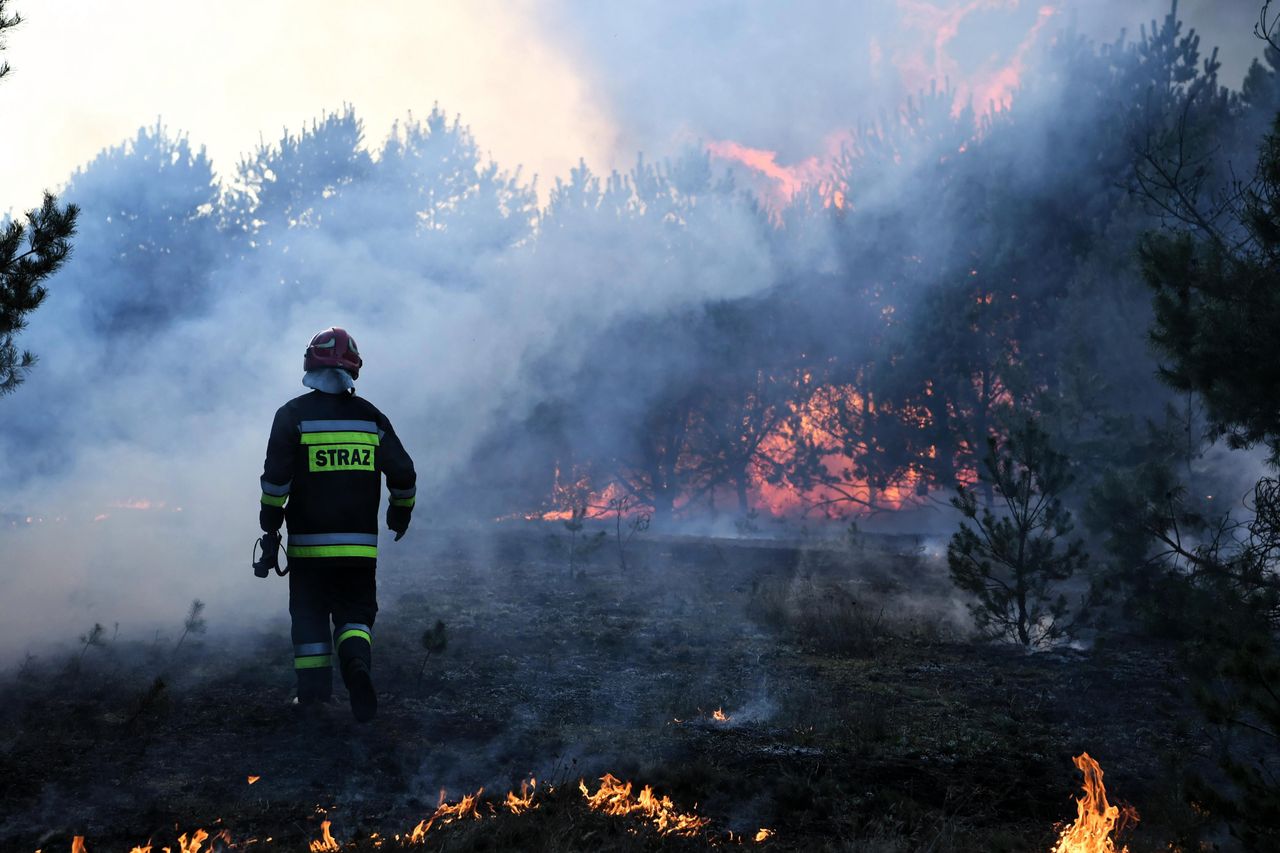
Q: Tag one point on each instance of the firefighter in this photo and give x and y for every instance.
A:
(323, 478)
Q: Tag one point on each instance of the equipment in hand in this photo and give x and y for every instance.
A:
(270, 559)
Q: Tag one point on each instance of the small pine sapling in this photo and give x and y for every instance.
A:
(635, 523)
(92, 638)
(1010, 561)
(434, 640)
(194, 623)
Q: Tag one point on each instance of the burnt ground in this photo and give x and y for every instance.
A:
(859, 719)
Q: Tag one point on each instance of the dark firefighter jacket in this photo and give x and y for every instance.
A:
(325, 460)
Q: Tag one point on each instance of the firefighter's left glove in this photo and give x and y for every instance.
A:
(398, 519)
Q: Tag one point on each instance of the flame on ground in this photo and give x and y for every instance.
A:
(524, 802)
(1092, 832)
(326, 841)
(614, 797)
(719, 715)
(446, 813)
(1096, 819)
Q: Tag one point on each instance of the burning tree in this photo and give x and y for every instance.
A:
(1011, 561)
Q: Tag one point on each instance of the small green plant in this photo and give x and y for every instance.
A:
(635, 523)
(434, 640)
(154, 699)
(1011, 561)
(854, 540)
(576, 551)
(574, 525)
(194, 623)
(92, 638)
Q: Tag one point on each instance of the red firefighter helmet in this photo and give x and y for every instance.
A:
(333, 347)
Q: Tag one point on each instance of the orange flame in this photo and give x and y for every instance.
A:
(448, 813)
(614, 797)
(325, 843)
(991, 86)
(1095, 818)
(253, 779)
(719, 715)
(764, 835)
(781, 182)
(523, 802)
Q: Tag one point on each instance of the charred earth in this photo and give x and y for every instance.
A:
(827, 696)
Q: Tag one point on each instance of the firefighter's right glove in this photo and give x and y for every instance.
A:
(270, 518)
(398, 519)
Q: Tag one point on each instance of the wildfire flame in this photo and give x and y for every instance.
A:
(448, 813)
(325, 842)
(1092, 832)
(929, 60)
(524, 802)
(253, 779)
(1096, 819)
(614, 797)
(719, 715)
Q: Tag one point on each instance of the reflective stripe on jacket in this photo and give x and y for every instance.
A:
(325, 460)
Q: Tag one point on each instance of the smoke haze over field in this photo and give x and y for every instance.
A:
(502, 336)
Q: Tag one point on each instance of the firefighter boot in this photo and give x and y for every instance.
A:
(355, 657)
(364, 701)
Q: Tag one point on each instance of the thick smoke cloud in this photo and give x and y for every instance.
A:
(794, 78)
(137, 443)
(178, 327)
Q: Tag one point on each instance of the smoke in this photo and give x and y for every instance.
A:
(178, 327)
(137, 443)
(795, 78)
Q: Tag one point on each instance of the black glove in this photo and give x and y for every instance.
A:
(270, 518)
(398, 519)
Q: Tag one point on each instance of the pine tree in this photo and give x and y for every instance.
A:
(1214, 276)
(30, 252)
(1010, 560)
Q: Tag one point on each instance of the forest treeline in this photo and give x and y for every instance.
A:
(974, 268)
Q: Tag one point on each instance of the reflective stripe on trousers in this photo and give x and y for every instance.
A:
(352, 630)
(333, 545)
(312, 655)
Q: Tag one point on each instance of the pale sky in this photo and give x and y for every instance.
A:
(541, 83)
(87, 74)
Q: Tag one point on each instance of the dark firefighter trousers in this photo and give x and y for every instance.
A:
(348, 595)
